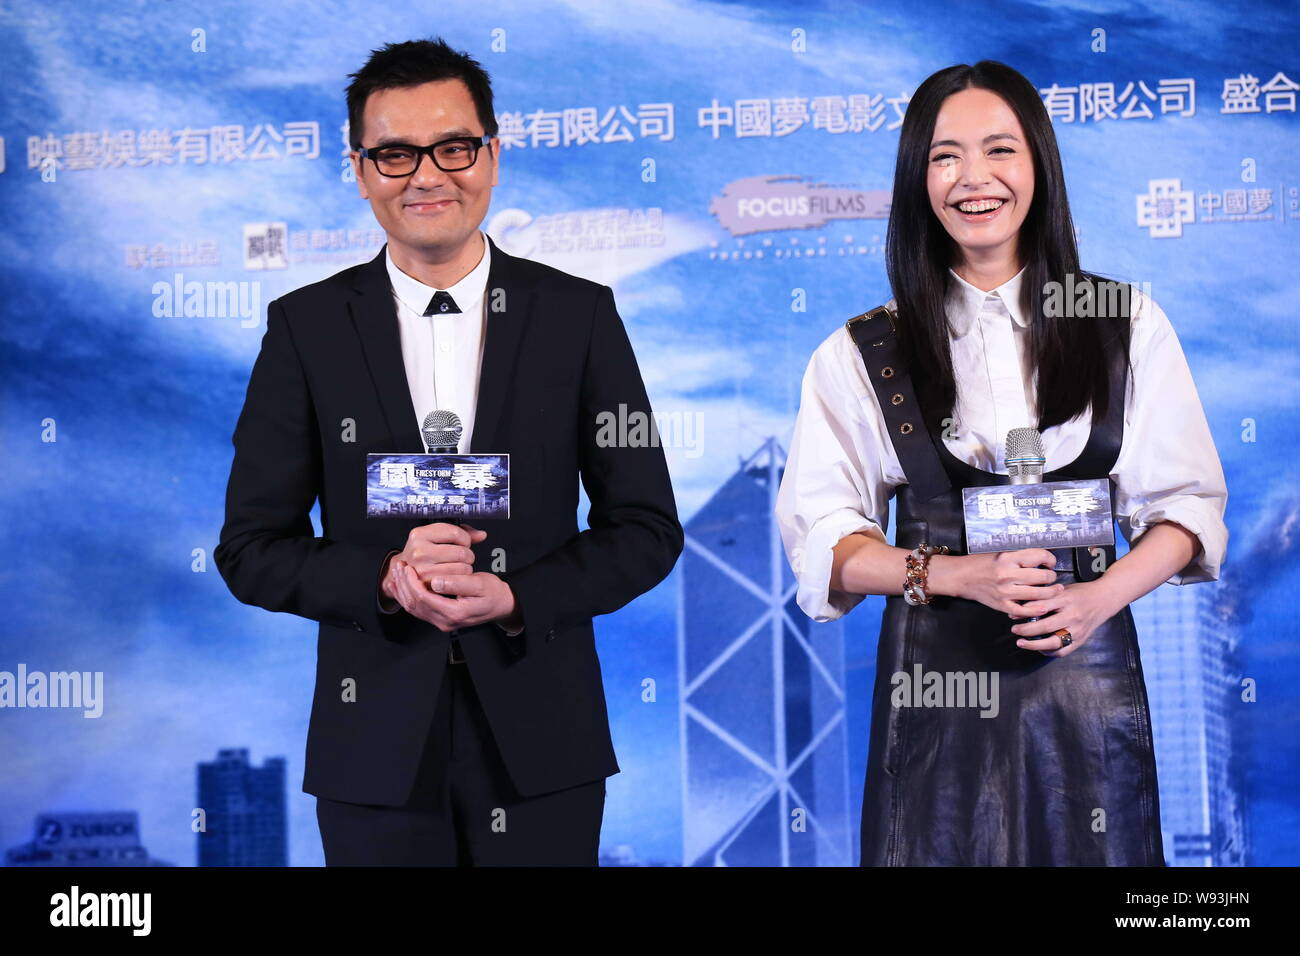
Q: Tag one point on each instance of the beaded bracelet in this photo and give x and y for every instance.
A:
(918, 571)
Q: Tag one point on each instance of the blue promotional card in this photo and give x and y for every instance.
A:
(455, 487)
(1053, 514)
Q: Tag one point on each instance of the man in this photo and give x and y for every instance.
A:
(459, 715)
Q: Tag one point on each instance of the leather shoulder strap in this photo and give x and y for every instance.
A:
(875, 335)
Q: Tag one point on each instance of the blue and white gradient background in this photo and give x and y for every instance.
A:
(99, 528)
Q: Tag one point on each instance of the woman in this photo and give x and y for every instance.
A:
(1057, 766)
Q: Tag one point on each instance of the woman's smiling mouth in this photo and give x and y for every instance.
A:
(979, 210)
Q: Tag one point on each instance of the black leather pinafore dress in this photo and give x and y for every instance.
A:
(1063, 772)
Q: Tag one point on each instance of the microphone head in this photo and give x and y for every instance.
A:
(441, 429)
(1024, 443)
(1025, 460)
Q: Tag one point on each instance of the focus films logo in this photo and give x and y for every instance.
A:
(769, 203)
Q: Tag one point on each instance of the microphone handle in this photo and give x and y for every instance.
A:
(1027, 620)
(442, 450)
(1026, 472)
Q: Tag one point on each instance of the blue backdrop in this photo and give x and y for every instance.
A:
(149, 147)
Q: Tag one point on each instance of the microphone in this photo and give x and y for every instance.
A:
(1024, 456)
(441, 432)
(1025, 462)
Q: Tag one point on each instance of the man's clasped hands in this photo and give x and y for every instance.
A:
(433, 579)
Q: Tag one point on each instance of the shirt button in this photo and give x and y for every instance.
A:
(443, 347)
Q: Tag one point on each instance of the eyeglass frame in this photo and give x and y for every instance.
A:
(366, 152)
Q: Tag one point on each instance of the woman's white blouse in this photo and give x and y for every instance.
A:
(841, 468)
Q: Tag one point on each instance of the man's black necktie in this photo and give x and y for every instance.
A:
(441, 302)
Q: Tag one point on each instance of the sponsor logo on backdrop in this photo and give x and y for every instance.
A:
(1166, 206)
(771, 203)
(107, 838)
(160, 255)
(586, 125)
(266, 245)
(127, 148)
(520, 233)
(793, 247)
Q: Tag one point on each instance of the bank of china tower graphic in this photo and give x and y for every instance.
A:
(764, 745)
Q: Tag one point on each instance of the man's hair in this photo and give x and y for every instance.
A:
(411, 64)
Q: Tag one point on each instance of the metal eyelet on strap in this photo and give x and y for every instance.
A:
(905, 428)
(877, 345)
(887, 372)
(898, 398)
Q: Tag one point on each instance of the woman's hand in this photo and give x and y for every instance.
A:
(1080, 608)
(998, 579)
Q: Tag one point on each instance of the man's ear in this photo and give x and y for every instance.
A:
(495, 146)
(358, 168)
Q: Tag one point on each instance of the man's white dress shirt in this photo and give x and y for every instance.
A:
(841, 468)
(443, 352)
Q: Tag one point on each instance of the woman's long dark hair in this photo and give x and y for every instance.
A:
(1069, 354)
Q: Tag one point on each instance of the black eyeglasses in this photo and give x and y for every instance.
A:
(449, 155)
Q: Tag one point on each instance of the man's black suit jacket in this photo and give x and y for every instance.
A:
(328, 387)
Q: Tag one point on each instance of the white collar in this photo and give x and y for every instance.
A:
(416, 295)
(965, 302)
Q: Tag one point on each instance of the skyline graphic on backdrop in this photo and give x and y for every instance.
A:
(753, 762)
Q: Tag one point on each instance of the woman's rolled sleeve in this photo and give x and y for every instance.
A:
(834, 482)
(1202, 517)
(816, 557)
(1168, 468)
